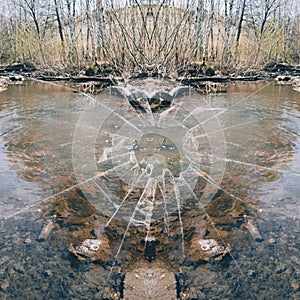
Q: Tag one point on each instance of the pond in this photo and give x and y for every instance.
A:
(120, 195)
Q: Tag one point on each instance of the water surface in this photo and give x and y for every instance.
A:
(251, 133)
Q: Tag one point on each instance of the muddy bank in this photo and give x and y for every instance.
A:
(98, 76)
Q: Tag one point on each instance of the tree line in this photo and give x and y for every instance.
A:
(137, 35)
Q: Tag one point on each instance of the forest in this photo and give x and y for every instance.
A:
(162, 35)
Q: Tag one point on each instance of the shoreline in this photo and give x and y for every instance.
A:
(204, 82)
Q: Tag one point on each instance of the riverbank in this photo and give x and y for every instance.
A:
(97, 77)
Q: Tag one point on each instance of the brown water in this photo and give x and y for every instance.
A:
(246, 146)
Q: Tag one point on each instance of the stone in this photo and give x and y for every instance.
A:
(149, 281)
(48, 273)
(295, 286)
(28, 241)
(92, 249)
(4, 286)
(253, 230)
(46, 231)
(206, 250)
(271, 241)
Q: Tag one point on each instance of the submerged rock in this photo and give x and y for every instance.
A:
(207, 250)
(149, 282)
(159, 94)
(46, 231)
(253, 230)
(92, 249)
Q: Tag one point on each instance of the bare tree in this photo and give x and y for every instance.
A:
(149, 35)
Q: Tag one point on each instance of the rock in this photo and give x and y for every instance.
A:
(253, 230)
(271, 241)
(48, 273)
(206, 250)
(4, 286)
(46, 231)
(28, 241)
(149, 282)
(92, 249)
(295, 286)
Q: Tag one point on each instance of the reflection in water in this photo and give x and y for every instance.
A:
(36, 134)
(261, 134)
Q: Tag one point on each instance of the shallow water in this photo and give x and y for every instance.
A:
(52, 142)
